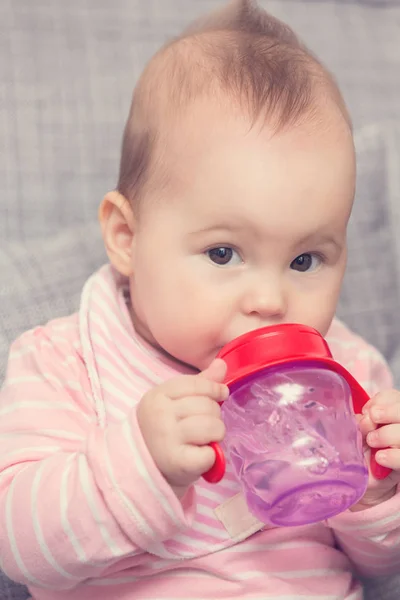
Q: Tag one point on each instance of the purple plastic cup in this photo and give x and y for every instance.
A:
(294, 443)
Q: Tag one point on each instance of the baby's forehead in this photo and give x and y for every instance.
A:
(214, 126)
(233, 173)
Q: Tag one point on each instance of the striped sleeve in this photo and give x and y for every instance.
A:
(74, 498)
(371, 538)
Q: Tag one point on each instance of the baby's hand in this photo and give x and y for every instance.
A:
(178, 419)
(384, 411)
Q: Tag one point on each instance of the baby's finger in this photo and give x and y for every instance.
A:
(381, 399)
(388, 435)
(197, 405)
(390, 457)
(201, 430)
(216, 371)
(386, 413)
(193, 461)
(365, 424)
(194, 385)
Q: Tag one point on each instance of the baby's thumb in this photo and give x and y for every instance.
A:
(216, 371)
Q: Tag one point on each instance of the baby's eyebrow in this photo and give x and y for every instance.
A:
(220, 228)
(318, 238)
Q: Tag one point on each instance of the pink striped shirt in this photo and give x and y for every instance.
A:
(84, 513)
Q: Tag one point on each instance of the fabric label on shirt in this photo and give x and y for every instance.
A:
(237, 519)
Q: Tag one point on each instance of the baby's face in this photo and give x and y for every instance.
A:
(254, 235)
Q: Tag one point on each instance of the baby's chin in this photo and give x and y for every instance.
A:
(197, 363)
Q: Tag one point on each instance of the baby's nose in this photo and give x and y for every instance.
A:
(267, 300)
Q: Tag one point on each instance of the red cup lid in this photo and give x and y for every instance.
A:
(283, 344)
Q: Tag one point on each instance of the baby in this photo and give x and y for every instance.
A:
(236, 186)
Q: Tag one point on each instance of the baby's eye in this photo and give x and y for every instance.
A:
(306, 262)
(224, 255)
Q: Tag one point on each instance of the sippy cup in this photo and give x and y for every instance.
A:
(291, 434)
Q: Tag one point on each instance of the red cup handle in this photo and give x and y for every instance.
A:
(217, 471)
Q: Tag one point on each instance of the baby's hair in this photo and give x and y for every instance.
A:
(239, 55)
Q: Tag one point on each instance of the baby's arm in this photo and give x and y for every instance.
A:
(74, 498)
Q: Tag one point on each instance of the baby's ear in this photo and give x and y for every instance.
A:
(118, 224)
